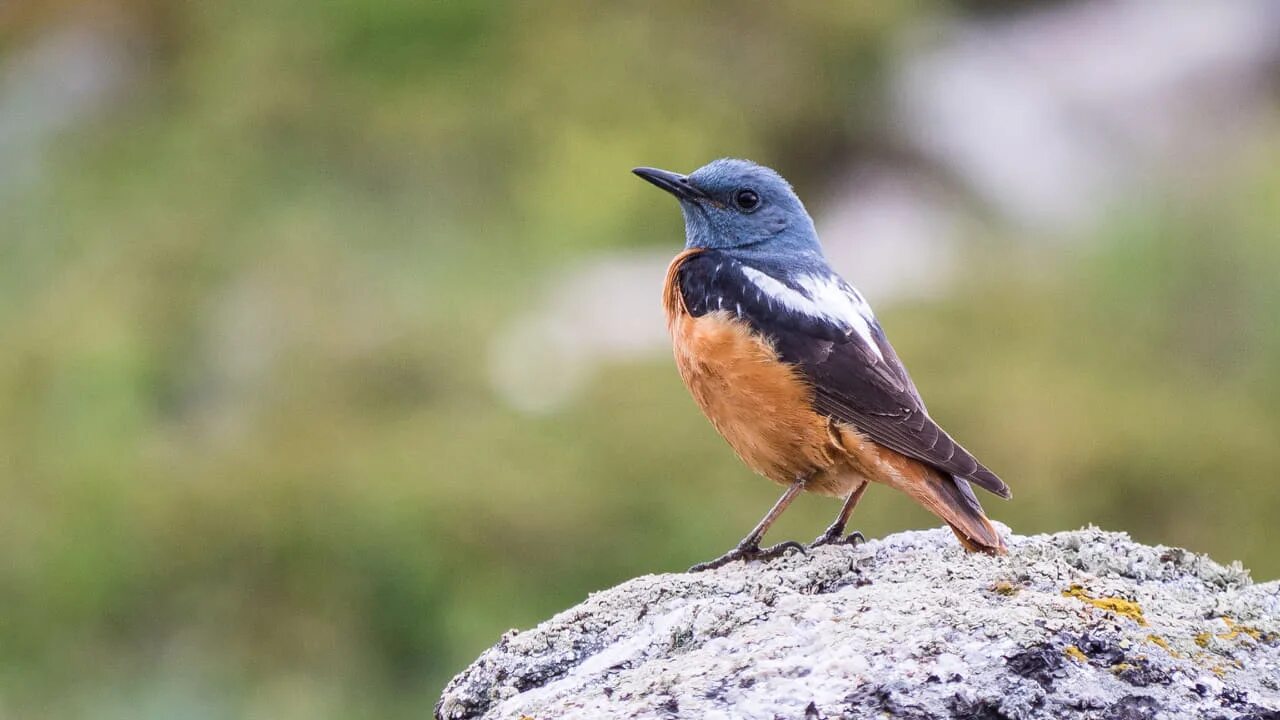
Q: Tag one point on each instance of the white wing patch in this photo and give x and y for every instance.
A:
(823, 297)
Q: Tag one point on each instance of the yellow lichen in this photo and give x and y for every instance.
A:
(1115, 605)
(1004, 587)
(1075, 653)
(1163, 645)
(1121, 667)
(1234, 631)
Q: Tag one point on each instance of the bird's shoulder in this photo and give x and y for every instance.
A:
(810, 316)
(775, 298)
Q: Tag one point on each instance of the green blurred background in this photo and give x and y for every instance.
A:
(294, 420)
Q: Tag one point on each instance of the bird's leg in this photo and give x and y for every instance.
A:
(749, 548)
(832, 534)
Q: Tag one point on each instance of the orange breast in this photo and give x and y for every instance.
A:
(758, 403)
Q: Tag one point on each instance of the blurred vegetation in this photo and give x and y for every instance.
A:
(250, 464)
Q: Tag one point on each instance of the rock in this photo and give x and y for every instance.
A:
(1083, 624)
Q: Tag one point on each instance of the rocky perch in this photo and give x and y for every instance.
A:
(1084, 624)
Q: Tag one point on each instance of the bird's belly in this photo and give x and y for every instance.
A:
(760, 404)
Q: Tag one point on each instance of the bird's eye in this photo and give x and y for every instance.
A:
(746, 200)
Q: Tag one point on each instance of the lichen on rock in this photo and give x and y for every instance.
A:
(1083, 624)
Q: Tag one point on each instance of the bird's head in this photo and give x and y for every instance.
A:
(732, 203)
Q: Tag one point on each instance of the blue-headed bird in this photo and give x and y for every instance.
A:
(790, 365)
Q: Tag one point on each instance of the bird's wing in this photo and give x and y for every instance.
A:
(823, 327)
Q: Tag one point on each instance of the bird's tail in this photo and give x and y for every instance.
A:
(951, 499)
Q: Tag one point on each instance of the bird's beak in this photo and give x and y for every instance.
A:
(674, 183)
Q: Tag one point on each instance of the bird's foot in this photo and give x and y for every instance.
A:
(747, 552)
(832, 537)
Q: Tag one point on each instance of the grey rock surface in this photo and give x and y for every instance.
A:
(1083, 624)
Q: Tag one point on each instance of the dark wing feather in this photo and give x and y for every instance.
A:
(852, 382)
(877, 397)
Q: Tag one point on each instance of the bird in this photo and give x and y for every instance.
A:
(791, 366)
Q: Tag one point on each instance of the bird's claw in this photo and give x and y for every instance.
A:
(747, 552)
(832, 537)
